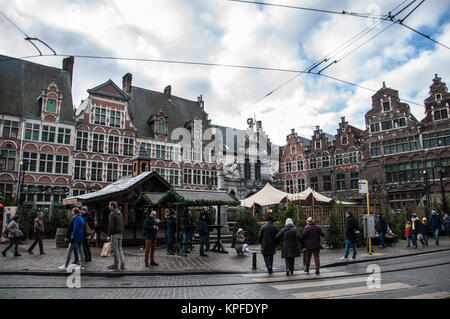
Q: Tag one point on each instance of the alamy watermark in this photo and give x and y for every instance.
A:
(374, 279)
(74, 279)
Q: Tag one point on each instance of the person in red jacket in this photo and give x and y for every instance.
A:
(311, 239)
(408, 232)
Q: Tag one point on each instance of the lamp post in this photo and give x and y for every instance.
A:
(440, 169)
(424, 172)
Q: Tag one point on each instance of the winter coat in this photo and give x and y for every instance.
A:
(115, 226)
(446, 223)
(311, 236)
(408, 231)
(89, 219)
(78, 230)
(149, 228)
(416, 226)
(70, 228)
(425, 228)
(240, 241)
(38, 225)
(351, 227)
(381, 225)
(435, 222)
(171, 225)
(187, 225)
(291, 238)
(13, 229)
(202, 227)
(267, 238)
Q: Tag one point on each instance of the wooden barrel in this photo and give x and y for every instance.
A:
(60, 235)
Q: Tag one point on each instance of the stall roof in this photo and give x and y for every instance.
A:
(195, 195)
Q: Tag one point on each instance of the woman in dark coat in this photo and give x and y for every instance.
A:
(311, 238)
(351, 230)
(290, 248)
(267, 238)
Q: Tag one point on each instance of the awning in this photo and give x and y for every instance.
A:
(269, 195)
(307, 193)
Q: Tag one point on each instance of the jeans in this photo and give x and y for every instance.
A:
(382, 240)
(87, 250)
(425, 238)
(409, 240)
(202, 243)
(37, 239)
(72, 246)
(349, 242)
(169, 242)
(268, 260)
(186, 240)
(116, 241)
(207, 245)
(13, 241)
(436, 235)
(309, 253)
(150, 246)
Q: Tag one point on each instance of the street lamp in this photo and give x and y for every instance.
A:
(427, 190)
(439, 167)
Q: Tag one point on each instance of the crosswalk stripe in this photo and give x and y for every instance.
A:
(433, 295)
(315, 283)
(279, 274)
(350, 291)
(299, 277)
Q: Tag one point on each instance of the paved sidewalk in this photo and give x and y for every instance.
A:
(192, 264)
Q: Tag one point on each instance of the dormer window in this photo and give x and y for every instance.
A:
(386, 106)
(344, 140)
(51, 106)
(161, 128)
(440, 114)
(317, 145)
(438, 96)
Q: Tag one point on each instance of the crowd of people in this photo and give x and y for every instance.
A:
(80, 231)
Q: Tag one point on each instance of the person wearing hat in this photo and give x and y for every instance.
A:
(240, 242)
(416, 230)
(89, 232)
(408, 233)
(381, 228)
(267, 238)
(290, 248)
(425, 230)
(311, 238)
(435, 225)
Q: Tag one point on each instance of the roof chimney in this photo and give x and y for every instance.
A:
(342, 119)
(168, 91)
(126, 83)
(200, 101)
(67, 65)
(292, 130)
(258, 124)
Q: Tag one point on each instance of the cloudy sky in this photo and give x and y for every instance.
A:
(227, 32)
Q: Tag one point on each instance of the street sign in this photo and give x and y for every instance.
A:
(362, 183)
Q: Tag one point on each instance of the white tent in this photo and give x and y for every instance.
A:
(269, 195)
(305, 194)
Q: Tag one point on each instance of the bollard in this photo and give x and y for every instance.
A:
(254, 261)
(304, 256)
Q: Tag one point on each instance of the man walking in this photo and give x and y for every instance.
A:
(89, 231)
(187, 228)
(150, 230)
(435, 225)
(115, 235)
(38, 233)
(76, 239)
(311, 238)
(350, 234)
(203, 232)
(381, 228)
(267, 239)
(171, 228)
(446, 223)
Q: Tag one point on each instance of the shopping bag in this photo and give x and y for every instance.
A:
(106, 250)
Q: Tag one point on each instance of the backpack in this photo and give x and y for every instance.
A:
(88, 232)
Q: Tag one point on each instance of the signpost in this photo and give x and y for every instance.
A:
(364, 189)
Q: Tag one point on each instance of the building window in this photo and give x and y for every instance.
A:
(98, 143)
(386, 106)
(112, 172)
(128, 146)
(314, 183)
(114, 118)
(126, 169)
(205, 177)
(31, 159)
(196, 153)
(340, 182)
(78, 192)
(64, 135)
(440, 114)
(399, 122)
(187, 176)
(82, 141)
(100, 116)
(174, 178)
(48, 134)
(300, 165)
(325, 161)
(7, 160)
(293, 150)
(387, 125)
(96, 171)
(160, 151)
(10, 128)
(290, 186)
(174, 153)
(374, 127)
(148, 148)
(301, 185)
(312, 163)
(62, 164)
(375, 149)
(339, 159)
(317, 145)
(79, 171)
(197, 176)
(288, 167)
(46, 163)
(6, 189)
(161, 128)
(438, 96)
(196, 134)
(327, 183)
(344, 140)
(113, 144)
(354, 178)
(32, 131)
(353, 157)
(436, 139)
(51, 106)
